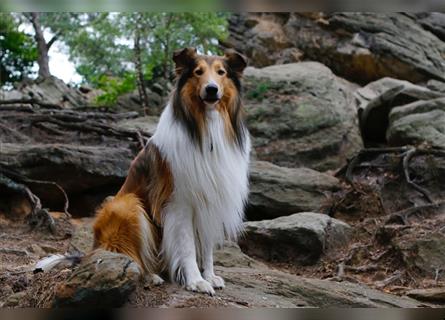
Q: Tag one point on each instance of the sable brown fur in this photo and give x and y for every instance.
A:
(147, 188)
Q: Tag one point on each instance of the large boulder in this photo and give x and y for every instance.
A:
(399, 112)
(104, 279)
(301, 114)
(360, 46)
(417, 122)
(278, 191)
(300, 238)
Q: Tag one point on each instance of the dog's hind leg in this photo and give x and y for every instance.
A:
(179, 249)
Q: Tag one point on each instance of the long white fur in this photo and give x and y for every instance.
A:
(207, 203)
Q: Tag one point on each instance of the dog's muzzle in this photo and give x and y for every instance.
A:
(211, 93)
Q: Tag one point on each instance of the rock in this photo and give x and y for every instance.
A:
(418, 122)
(103, 279)
(51, 90)
(430, 295)
(231, 256)
(37, 250)
(299, 238)
(132, 102)
(278, 191)
(435, 85)
(14, 299)
(359, 46)
(83, 235)
(433, 22)
(103, 168)
(270, 44)
(257, 285)
(301, 114)
(424, 251)
(146, 124)
(377, 100)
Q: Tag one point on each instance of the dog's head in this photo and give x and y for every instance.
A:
(206, 80)
(206, 83)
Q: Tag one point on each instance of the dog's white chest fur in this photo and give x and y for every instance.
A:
(212, 182)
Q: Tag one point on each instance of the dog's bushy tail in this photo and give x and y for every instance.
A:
(122, 226)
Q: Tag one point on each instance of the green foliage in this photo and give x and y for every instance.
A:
(114, 87)
(17, 51)
(102, 43)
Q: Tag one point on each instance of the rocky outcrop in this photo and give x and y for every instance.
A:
(51, 91)
(104, 279)
(361, 47)
(145, 124)
(398, 113)
(435, 295)
(132, 102)
(301, 114)
(83, 152)
(300, 238)
(278, 191)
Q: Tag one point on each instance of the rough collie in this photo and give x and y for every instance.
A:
(186, 190)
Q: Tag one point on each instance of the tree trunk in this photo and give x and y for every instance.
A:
(42, 47)
(139, 72)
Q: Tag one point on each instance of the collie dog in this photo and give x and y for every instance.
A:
(186, 190)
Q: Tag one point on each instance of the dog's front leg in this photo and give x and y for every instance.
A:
(178, 244)
(207, 266)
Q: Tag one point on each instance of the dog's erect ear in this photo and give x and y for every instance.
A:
(183, 58)
(236, 61)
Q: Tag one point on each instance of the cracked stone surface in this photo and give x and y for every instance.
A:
(302, 237)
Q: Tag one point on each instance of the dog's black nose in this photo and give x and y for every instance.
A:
(211, 90)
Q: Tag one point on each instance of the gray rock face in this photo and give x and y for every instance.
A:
(361, 47)
(431, 295)
(299, 238)
(253, 284)
(398, 112)
(51, 90)
(103, 279)
(301, 114)
(418, 122)
(145, 124)
(132, 102)
(278, 191)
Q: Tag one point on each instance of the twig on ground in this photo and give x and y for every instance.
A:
(391, 279)
(22, 253)
(405, 213)
(365, 268)
(437, 275)
(407, 157)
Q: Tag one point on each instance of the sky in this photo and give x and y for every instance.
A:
(59, 64)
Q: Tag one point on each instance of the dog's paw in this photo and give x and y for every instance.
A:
(202, 286)
(153, 280)
(216, 281)
(157, 280)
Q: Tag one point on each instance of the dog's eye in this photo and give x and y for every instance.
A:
(199, 72)
(221, 72)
